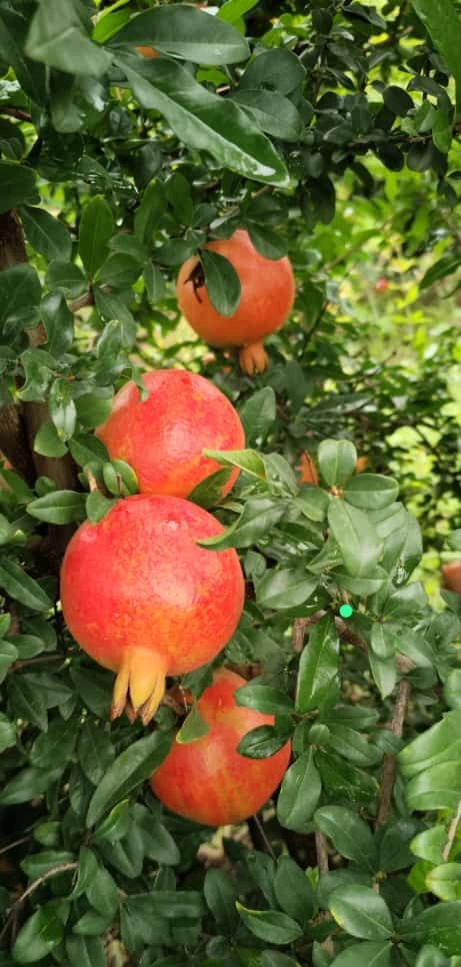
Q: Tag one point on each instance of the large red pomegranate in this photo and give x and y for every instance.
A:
(143, 599)
(267, 295)
(163, 437)
(208, 780)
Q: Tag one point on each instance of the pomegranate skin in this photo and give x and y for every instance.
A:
(163, 437)
(143, 599)
(451, 576)
(267, 296)
(208, 781)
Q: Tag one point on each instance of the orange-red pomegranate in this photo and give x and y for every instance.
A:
(163, 437)
(451, 576)
(147, 52)
(208, 780)
(143, 599)
(267, 296)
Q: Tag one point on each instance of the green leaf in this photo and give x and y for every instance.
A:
(438, 787)
(7, 733)
(154, 282)
(445, 881)
(276, 70)
(96, 228)
(368, 954)
(434, 745)
(371, 491)
(19, 291)
(58, 507)
(287, 588)
(299, 794)
(443, 267)
(233, 10)
(56, 38)
(439, 925)
(222, 282)
(318, 666)
(249, 461)
(95, 752)
(28, 702)
(350, 835)
(220, 895)
(54, 749)
(270, 925)
(194, 727)
(258, 414)
(85, 951)
(430, 844)
(46, 234)
(384, 673)
(356, 537)
(264, 699)
(21, 587)
(444, 28)
(66, 276)
(293, 890)
(452, 688)
(8, 655)
(47, 442)
(274, 114)
(184, 32)
(39, 863)
(313, 504)
(97, 506)
(103, 895)
(361, 912)
(208, 493)
(17, 186)
(337, 459)
(267, 241)
(131, 767)
(261, 743)
(41, 933)
(203, 120)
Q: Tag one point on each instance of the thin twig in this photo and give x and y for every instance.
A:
(389, 761)
(263, 836)
(87, 299)
(55, 871)
(16, 842)
(297, 637)
(452, 830)
(321, 848)
(16, 112)
(41, 659)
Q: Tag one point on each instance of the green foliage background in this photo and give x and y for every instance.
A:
(330, 131)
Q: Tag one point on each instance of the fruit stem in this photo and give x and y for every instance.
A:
(139, 686)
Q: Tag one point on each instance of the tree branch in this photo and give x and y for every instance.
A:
(389, 761)
(322, 853)
(16, 112)
(55, 871)
(87, 299)
(452, 830)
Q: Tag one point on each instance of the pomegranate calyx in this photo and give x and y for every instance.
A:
(139, 686)
(253, 358)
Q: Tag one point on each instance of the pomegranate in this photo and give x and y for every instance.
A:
(143, 599)
(208, 780)
(164, 436)
(148, 52)
(267, 296)
(451, 576)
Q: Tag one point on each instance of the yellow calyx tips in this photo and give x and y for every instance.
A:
(253, 358)
(139, 686)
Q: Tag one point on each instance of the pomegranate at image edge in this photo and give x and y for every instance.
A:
(163, 436)
(451, 576)
(207, 780)
(144, 600)
(267, 296)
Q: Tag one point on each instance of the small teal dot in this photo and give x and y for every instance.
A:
(346, 610)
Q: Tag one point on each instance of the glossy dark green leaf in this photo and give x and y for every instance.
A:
(17, 186)
(102, 893)
(222, 282)
(371, 491)
(203, 120)
(182, 31)
(267, 241)
(262, 742)
(194, 727)
(356, 537)
(351, 836)
(361, 912)
(233, 10)
(278, 70)
(21, 587)
(54, 748)
(96, 228)
(95, 752)
(293, 890)
(85, 951)
(58, 507)
(130, 768)
(318, 665)
(299, 794)
(439, 925)
(337, 459)
(370, 953)
(19, 292)
(7, 733)
(272, 112)
(444, 29)
(270, 925)
(56, 38)
(263, 698)
(287, 588)
(220, 895)
(258, 414)
(41, 933)
(46, 234)
(343, 781)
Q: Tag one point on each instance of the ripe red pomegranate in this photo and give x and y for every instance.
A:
(381, 284)
(451, 576)
(208, 780)
(267, 296)
(163, 437)
(143, 599)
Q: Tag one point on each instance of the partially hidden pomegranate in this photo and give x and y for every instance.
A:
(143, 599)
(163, 437)
(451, 576)
(208, 780)
(267, 296)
